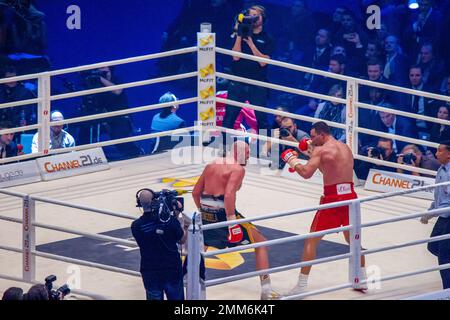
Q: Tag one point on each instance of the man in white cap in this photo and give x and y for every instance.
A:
(59, 138)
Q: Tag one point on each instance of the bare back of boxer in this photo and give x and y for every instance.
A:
(335, 160)
(215, 197)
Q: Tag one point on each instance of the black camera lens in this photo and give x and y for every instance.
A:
(376, 152)
(284, 132)
(409, 158)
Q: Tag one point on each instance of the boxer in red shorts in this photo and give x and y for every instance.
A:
(335, 160)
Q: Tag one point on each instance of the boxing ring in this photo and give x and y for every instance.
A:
(18, 214)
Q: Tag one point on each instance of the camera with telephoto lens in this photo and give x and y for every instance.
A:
(166, 203)
(55, 294)
(375, 153)
(409, 158)
(284, 133)
(91, 78)
(245, 24)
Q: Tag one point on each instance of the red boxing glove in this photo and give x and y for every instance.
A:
(235, 234)
(304, 144)
(288, 155)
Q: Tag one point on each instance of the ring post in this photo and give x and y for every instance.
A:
(193, 290)
(28, 239)
(351, 119)
(44, 109)
(355, 244)
(206, 81)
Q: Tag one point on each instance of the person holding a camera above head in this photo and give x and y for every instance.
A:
(412, 156)
(157, 233)
(249, 38)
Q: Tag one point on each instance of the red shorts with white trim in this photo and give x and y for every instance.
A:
(334, 217)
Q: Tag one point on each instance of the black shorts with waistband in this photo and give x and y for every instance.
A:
(218, 238)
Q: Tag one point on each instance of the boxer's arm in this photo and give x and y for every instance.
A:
(233, 185)
(198, 189)
(307, 170)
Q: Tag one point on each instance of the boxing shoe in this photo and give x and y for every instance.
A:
(300, 287)
(270, 295)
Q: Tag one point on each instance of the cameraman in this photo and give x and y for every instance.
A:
(288, 131)
(160, 260)
(411, 155)
(384, 150)
(250, 39)
(116, 127)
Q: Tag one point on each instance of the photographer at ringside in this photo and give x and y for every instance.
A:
(382, 151)
(157, 233)
(116, 127)
(249, 38)
(288, 131)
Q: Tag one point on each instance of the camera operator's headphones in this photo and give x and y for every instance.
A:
(138, 201)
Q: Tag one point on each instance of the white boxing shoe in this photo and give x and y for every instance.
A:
(270, 295)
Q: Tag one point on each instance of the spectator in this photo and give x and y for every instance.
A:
(59, 138)
(351, 35)
(441, 249)
(7, 146)
(308, 110)
(398, 125)
(319, 57)
(384, 151)
(355, 64)
(373, 51)
(333, 111)
(374, 73)
(338, 65)
(339, 49)
(165, 120)
(381, 35)
(439, 131)
(412, 156)
(369, 118)
(424, 26)
(336, 18)
(395, 67)
(13, 293)
(418, 104)
(432, 68)
(16, 91)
